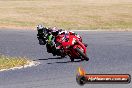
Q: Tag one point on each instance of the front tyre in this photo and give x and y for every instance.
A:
(82, 54)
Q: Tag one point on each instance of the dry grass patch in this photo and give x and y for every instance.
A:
(68, 14)
(7, 62)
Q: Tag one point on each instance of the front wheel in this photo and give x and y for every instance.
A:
(82, 54)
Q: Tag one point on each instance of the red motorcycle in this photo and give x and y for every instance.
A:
(71, 46)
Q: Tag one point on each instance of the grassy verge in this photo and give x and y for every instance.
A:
(9, 62)
(67, 14)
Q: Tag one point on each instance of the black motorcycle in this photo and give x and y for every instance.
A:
(45, 37)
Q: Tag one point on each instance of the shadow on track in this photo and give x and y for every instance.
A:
(65, 62)
(49, 58)
(56, 58)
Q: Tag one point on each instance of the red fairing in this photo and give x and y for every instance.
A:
(81, 45)
(70, 43)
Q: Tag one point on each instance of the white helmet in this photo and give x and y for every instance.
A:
(39, 27)
(54, 29)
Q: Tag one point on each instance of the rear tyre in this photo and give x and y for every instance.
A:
(82, 54)
(72, 59)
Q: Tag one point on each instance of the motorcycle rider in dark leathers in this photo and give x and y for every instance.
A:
(42, 33)
(51, 40)
(47, 36)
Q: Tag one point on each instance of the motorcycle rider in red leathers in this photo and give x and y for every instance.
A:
(71, 33)
(71, 44)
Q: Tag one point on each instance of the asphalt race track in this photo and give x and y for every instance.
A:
(109, 52)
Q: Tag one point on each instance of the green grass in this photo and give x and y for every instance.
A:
(67, 14)
(7, 62)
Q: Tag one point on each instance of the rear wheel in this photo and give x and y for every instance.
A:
(82, 54)
(72, 59)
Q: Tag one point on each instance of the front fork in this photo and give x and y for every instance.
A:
(81, 44)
